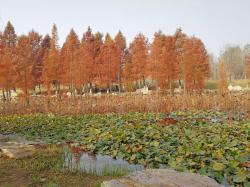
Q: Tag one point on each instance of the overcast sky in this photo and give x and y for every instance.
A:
(216, 22)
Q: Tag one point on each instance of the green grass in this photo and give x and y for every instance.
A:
(204, 142)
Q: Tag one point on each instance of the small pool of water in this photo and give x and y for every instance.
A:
(101, 165)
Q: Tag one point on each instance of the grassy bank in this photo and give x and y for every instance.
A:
(43, 169)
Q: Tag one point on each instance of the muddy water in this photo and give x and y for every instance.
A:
(100, 165)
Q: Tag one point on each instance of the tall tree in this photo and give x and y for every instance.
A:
(86, 68)
(35, 44)
(1, 63)
(109, 63)
(164, 61)
(120, 44)
(169, 63)
(202, 68)
(38, 66)
(7, 73)
(70, 54)
(23, 65)
(51, 69)
(156, 56)
(127, 79)
(180, 38)
(195, 65)
(139, 59)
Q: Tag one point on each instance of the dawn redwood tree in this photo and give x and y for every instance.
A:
(156, 49)
(201, 67)
(69, 57)
(120, 44)
(127, 79)
(35, 44)
(23, 66)
(86, 65)
(169, 65)
(139, 59)
(7, 73)
(163, 58)
(180, 38)
(38, 66)
(1, 63)
(109, 63)
(55, 53)
(169, 59)
(195, 66)
(52, 67)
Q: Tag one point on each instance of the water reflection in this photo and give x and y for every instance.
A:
(100, 165)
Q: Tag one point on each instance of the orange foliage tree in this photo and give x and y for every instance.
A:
(39, 64)
(23, 65)
(194, 65)
(89, 50)
(164, 66)
(35, 44)
(109, 63)
(120, 44)
(80, 65)
(139, 59)
(51, 67)
(69, 57)
(156, 57)
(8, 57)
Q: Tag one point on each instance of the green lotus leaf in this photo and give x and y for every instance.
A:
(218, 166)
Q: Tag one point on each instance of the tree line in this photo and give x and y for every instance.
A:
(33, 61)
(236, 61)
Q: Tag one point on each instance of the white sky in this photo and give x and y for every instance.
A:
(216, 22)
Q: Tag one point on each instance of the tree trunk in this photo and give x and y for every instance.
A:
(4, 97)
(90, 87)
(49, 94)
(39, 88)
(119, 82)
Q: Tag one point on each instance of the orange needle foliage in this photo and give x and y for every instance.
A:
(51, 66)
(69, 59)
(194, 65)
(109, 63)
(8, 56)
(100, 63)
(139, 59)
(164, 65)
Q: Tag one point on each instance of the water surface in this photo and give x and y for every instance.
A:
(97, 164)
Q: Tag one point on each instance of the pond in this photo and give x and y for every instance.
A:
(101, 165)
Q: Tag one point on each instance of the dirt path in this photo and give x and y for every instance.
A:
(11, 176)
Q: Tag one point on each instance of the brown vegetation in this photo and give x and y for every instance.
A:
(122, 103)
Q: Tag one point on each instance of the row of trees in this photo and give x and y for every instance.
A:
(31, 61)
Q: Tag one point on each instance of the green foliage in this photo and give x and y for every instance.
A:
(203, 142)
